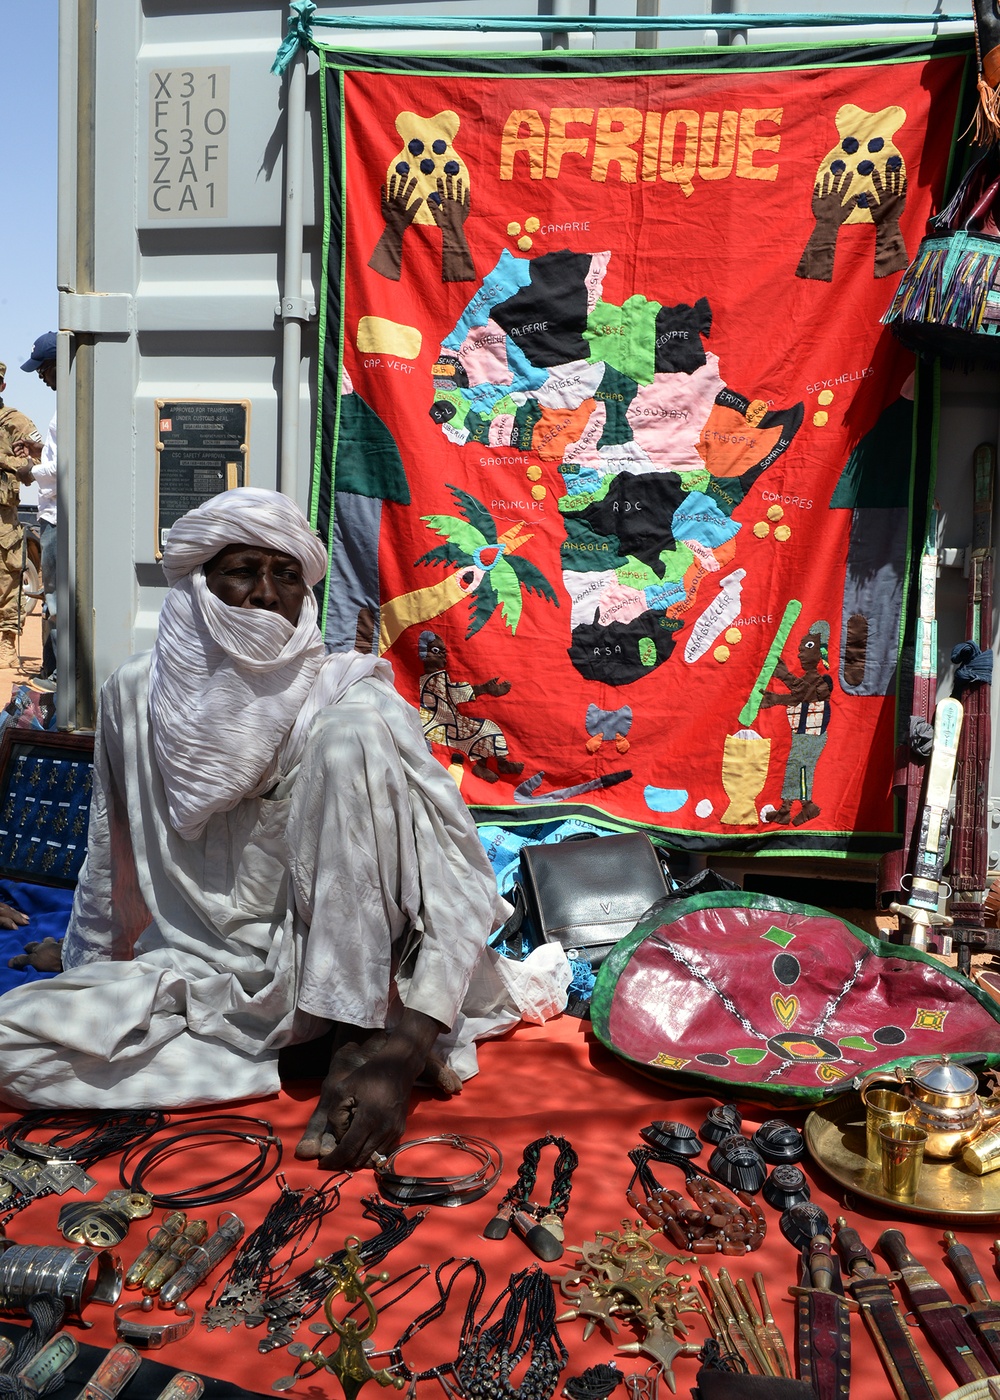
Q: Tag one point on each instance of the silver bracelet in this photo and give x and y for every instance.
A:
(75, 1276)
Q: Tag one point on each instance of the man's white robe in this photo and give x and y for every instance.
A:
(357, 885)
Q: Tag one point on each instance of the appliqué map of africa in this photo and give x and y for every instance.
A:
(614, 455)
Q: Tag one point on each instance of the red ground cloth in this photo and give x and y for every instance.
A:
(557, 1079)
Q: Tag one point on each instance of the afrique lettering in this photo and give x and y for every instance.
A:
(628, 145)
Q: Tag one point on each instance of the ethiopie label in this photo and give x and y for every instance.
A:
(188, 143)
(201, 450)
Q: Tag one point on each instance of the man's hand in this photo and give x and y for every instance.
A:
(43, 957)
(364, 1112)
(11, 917)
(27, 448)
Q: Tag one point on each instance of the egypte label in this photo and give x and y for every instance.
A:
(189, 143)
(201, 449)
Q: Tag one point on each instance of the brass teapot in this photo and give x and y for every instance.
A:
(944, 1102)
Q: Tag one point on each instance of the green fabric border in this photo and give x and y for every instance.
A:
(574, 63)
(762, 844)
(617, 960)
(317, 466)
(324, 70)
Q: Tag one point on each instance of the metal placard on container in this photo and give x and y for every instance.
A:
(201, 449)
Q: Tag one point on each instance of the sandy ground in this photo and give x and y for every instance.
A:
(30, 650)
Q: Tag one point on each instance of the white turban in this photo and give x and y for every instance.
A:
(234, 690)
(245, 515)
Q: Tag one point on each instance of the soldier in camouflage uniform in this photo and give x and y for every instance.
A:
(14, 427)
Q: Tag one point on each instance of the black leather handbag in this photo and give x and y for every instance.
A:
(587, 893)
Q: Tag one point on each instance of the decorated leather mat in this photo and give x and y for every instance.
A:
(779, 1000)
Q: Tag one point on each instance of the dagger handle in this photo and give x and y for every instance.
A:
(821, 1263)
(891, 1244)
(963, 1265)
(852, 1251)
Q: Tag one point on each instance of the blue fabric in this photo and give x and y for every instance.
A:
(582, 986)
(48, 909)
(503, 844)
(299, 22)
(971, 664)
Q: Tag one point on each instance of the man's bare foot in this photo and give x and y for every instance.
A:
(506, 765)
(334, 1111)
(481, 771)
(780, 814)
(808, 811)
(43, 957)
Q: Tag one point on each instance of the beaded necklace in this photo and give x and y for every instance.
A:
(525, 1327)
(539, 1225)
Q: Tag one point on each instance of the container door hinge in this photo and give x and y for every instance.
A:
(97, 313)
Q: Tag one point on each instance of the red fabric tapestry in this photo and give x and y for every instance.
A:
(614, 454)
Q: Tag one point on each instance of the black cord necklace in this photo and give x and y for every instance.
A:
(595, 1383)
(292, 1220)
(540, 1225)
(294, 1302)
(396, 1360)
(55, 1150)
(134, 1175)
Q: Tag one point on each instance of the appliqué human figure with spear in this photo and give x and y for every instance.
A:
(807, 705)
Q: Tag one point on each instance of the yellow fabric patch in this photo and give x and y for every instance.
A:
(786, 1009)
(377, 336)
(830, 1073)
(420, 135)
(928, 1019)
(744, 773)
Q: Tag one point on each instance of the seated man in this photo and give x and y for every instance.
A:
(271, 849)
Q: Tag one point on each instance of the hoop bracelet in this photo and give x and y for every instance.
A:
(441, 1190)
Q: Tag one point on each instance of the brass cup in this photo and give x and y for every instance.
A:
(983, 1154)
(902, 1148)
(882, 1107)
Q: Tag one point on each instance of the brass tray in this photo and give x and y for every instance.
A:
(835, 1135)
